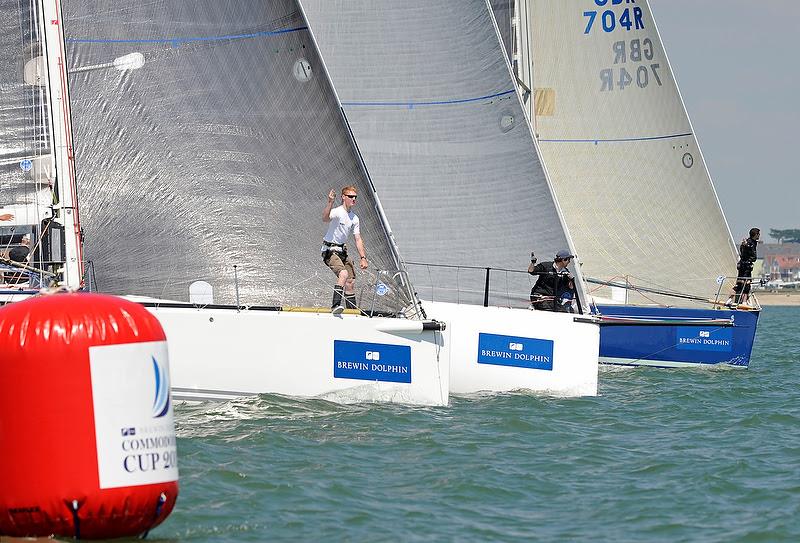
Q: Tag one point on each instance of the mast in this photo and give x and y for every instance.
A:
(62, 162)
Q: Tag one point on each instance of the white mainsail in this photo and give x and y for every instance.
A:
(620, 150)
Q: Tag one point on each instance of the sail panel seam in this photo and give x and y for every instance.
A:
(177, 41)
(430, 103)
(617, 140)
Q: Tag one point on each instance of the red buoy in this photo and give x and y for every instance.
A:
(87, 439)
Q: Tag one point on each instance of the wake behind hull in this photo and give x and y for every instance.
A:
(679, 345)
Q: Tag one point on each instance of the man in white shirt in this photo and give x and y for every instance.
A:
(341, 222)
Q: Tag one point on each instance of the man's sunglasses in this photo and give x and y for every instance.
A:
(353, 196)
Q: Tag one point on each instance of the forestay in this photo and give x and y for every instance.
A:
(207, 139)
(621, 152)
(430, 98)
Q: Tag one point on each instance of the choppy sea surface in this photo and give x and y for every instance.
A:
(659, 455)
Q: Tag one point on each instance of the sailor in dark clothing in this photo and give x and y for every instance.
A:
(17, 254)
(554, 284)
(744, 268)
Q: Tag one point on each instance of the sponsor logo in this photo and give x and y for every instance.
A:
(381, 289)
(161, 400)
(693, 339)
(26, 164)
(371, 361)
(135, 437)
(521, 352)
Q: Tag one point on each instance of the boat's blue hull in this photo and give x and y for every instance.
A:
(665, 345)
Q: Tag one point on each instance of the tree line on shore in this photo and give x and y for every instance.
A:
(785, 236)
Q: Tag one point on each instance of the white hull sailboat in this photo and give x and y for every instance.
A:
(187, 177)
(221, 354)
(430, 99)
(501, 348)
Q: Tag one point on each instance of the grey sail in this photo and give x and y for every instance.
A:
(28, 187)
(24, 136)
(25, 140)
(432, 104)
(207, 138)
(622, 156)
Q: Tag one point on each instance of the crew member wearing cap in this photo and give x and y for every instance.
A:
(554, 282)
(342, 221)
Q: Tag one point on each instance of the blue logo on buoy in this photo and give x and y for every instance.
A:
(381, 289)
(161, 401)
(26, 164)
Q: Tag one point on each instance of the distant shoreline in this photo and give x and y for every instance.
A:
(778, 298)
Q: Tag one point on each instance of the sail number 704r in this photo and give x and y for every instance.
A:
(607, 20)
(634, 51)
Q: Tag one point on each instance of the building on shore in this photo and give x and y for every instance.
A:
(781, 262)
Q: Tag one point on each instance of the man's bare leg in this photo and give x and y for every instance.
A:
(350, 294)
(338, 291)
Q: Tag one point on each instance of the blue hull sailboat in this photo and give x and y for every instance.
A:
(629, 176)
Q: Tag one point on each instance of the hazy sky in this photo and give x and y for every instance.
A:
(737, 64)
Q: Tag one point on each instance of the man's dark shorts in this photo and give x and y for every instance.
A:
(335, 263)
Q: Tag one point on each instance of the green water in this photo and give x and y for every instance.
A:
(659, 455)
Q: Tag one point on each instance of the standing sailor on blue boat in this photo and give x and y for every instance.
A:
(342, 221)
(748, 253)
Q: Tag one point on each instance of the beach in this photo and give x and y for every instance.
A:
(790, 298)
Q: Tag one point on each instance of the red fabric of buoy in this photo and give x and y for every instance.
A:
(50, 445)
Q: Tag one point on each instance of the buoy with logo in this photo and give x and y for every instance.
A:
(87, 439)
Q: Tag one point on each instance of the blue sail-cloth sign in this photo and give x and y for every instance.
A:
(695, 338)
(521, 352)
(25, 164)
(381, 289)
(371, 361)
